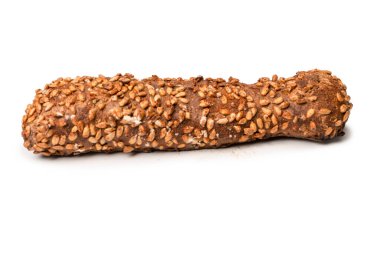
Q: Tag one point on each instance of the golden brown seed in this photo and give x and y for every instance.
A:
(73, 136)
(343, 108)
(159, 123)
(123, 102)
(277, 110)
(151, 135)
(266, 111)
(139, 141)
(133, 140)
(204, 103)
(253, 126)
(260, 123)
(278, 100)
(154, 144)
(264, 90)
(312, 98)
(109, 130)
(184, 100)
(237, 129)
(222, 121)
(101, 125)
(328, 131)
(251, 104)
(205, 111)
(92, 113)
(86, 132)
(249, 115)
(241, 106)
(48, 106)
(284, 105)
(49, 133)
(284, 125)
(224, 111)
(248, 131)
(310, 113)
(163, 133)
(212, 134)
(264, 102)
(239, 115)
(274, 129)
(120, 144)
(101, 105)
(210, 124)
(92, 129)
(231, 117)
(98, 134)
(274, 120)
(62, 140)
(243, 138)
(55, 140)
(224, 100)
(254, 111)
(92, 140)
(69, 146)
(39, 137)
(128, 149)
(324, 111)
(144, 104)
(312, 126)
(43, 145)
(242, 121)
(187, 129)
(287, 115)
(119, 131)
(242, 93)
(338, 123)
(339, 97)
(98, 147)
(168, 136)
(181, 94)
(59, 148)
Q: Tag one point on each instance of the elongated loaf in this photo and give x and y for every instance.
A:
(101, 114)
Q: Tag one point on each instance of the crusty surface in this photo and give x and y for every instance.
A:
(101, 114)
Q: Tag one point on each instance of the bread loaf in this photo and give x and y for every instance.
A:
(101, 114)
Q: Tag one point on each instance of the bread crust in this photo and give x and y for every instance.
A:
(101, 114)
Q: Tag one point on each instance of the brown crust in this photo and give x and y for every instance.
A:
(101, 114)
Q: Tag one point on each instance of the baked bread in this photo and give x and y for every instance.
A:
(101, 114)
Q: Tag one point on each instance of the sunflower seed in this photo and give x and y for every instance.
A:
(310, 113)
(222, 121)
(210, 124)
(324, 111)
(343, 108)
(128, 149)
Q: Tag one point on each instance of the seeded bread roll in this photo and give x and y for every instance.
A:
(101, 114)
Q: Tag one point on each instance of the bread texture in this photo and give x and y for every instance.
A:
(102, 114)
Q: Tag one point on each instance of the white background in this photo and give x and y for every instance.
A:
(276, 196)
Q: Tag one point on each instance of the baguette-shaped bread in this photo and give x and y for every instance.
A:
(101, 114)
